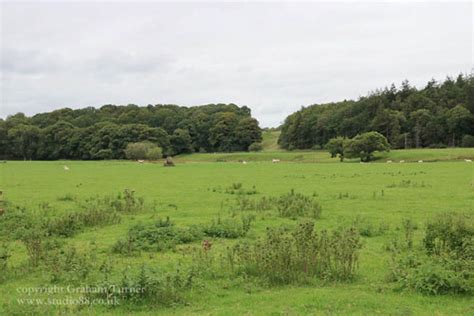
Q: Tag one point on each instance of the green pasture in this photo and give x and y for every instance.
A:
(193, 192)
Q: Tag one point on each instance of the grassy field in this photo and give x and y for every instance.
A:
(321, 156)
(194, 193)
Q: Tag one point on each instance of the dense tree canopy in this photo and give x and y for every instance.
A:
(440, 114)
(104, 133)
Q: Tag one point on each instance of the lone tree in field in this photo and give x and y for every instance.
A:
(335, 146)
(364, 145)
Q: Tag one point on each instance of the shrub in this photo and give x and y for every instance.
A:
(135, 151)
(126, 202)
(467, 141)
(256, 147)
(444, 262)
(71, 223)
(283, 258)
(450, 233)
(14, 221)
(228, 228)
(154, 153)
(162, 235)
(33, 240)
(294, 205)
(244, 203)
(147, 287)
(70, 264)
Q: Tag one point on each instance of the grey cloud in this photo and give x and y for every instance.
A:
(28, 62)
(273, 57)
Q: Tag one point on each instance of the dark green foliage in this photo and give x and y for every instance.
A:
(364, 145)
(104, 133)
(69, 264)
(15, 221)
(440, 113)
(335, 146)
(160, 236)
(294, 205)
(181, 142)
(444, 262)
(228, 227)
(33, 239)
(283, 258)
(467, 141)
(451, 234)
(146, 287)
(255, 147)
(71, 223)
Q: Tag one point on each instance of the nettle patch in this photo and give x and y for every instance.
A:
(159, 236)
(291, 205)
(289, 256)
(442, 263)
(229, 227)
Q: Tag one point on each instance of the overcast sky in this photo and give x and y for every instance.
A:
(272, 57)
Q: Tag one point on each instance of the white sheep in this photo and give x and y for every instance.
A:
(66, 168)
(420, 161)
(275, 160)
(402, 161)
(389, 161)
(467, 160)
(141, 161)
(244, 162)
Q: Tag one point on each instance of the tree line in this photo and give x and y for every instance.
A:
(438, 115)
(104, 133)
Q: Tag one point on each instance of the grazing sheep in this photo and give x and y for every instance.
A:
(420, 161)
(275, 160)
(141, 161)
(66, 168)
(402, 161)
(389, 161)
(244, 162)
(467, 160)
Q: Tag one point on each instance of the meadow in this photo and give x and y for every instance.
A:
(377, 198)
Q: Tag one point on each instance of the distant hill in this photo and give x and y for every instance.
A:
(270, 140)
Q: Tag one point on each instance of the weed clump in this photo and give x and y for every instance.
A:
(284, 258)
(369, 229)
(147, 287)
(294, 205)
(442, 263)
(229, 227)
(160, 236)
